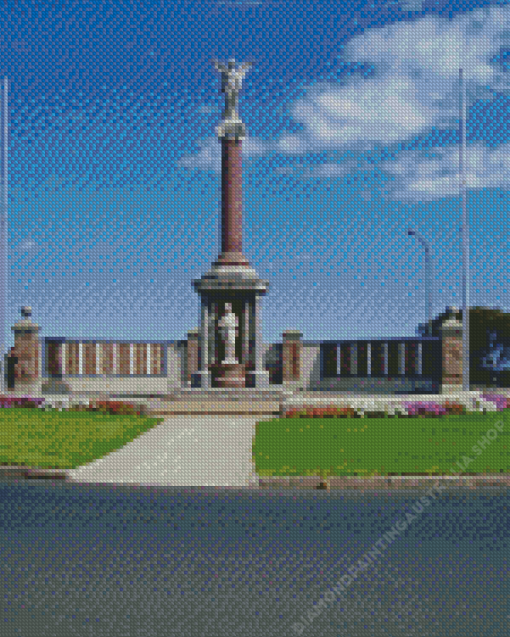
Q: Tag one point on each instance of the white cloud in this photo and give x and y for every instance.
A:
(418, 177)
(434, 174)
(413, 89)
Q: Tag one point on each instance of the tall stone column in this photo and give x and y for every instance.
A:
(231, 278)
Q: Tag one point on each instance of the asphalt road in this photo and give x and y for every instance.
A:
(181, 451)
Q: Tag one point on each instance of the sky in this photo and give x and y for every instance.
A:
(352, 113)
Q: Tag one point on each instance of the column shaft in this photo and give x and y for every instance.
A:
(62, 355)
(402, 359)
(354, 359)
(204, 338)
(246, 333)
(258, 336)
(213, 332)
(80, 358)
(231, 196)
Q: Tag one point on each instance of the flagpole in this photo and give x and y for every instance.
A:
(465, 239)
(3, 239)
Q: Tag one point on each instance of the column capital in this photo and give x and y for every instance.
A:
(451, 327)
(292, 335)
(25, 325)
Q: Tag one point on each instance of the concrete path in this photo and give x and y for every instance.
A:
(182, 451)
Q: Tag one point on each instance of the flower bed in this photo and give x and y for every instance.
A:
(429, 409)
(112, 407)
(20, 401)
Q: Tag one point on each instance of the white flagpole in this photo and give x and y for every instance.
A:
(465, 239)
(3, 240)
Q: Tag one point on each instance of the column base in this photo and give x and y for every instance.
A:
(229, 376)
(292, 385)
(201, 380)
(450, 388)
(31, 389)
(55, 386)
(257, 379)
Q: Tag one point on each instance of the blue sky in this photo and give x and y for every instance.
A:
(352, 118)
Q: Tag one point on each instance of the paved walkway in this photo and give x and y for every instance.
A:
(182, 451)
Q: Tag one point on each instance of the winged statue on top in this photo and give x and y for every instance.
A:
(231, 82)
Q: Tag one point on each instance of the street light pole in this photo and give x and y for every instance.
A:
(428, 296)
(465, 239)
(3, 240)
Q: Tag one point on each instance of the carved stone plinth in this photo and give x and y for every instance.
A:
(228, 376)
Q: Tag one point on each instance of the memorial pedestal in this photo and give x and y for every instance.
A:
(228, 375)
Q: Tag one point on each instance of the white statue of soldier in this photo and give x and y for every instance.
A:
(228, 325)
(231, 81)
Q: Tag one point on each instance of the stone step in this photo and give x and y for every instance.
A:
(215, 407)
(230, 395)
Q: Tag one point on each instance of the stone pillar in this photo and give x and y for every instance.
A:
(27, 372)
(202, 378)
(385, 359)
(402, 358)
(259, 377)
(99, 358)
(246, 323)
(451, 353)
(192, 355)
(213, 332)
(292, 354)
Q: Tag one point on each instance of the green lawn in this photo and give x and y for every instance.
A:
(64, 440)
(382, 446)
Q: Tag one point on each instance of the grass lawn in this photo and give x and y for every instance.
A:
(383, 446)
(64, 440)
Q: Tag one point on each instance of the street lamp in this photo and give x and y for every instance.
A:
(428, 300)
